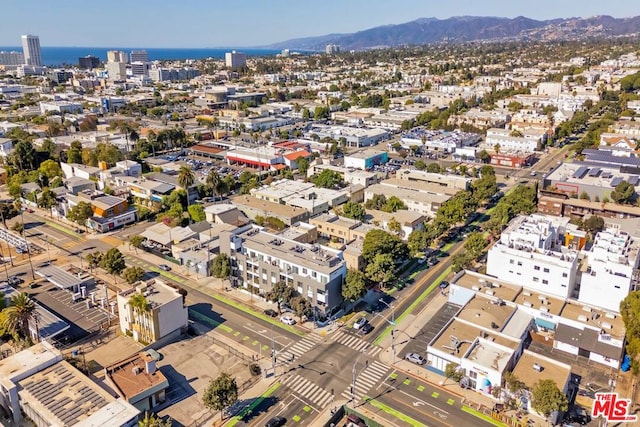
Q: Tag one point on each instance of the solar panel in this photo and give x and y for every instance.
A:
(594, 171)
(582, 170)
(615, 181)
(634, 179)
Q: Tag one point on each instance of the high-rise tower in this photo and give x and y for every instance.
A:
(31, 50)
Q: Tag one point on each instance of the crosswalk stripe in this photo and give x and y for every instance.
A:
(303, 391)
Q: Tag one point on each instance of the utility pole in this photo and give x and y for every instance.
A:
(393, 324)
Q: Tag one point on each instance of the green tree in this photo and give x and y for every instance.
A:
(452, 371)
(395, 227)
(113, 262)
(47, 199)
(15, 318)
(221, 267)
(630, 312)
(353, 210)
(433, 168)
(355, 285)
(50, 168)
(74, 154)
(484, 156)
(221, 393)
(377, 202)
(475, 244)
(461, 261)
(152, 420)
(133, 274)
(186, 178)
(281, 293)
(418, 241)
(303, 165)
(136, 241)
(547, 398)
(327, 179)
(380, 242)
(593, 224)
(420, 165)
(301, 306)
(80, 213)
(93, 259)
(381, 270)
(393, 204)
(623, 193)
(512, 382)
(24, 155)
(196, 212)
(218, 185)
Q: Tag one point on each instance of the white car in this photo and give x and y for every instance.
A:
(415, 358)
(360, 323)
(287, 320)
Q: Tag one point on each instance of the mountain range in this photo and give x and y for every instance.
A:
(459, 29)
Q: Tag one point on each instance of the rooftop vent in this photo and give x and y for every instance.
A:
(537, 367)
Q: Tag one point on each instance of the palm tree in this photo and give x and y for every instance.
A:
(213, 181)
(140, 306)
(186, 178)
(15, 318)
(126, 128)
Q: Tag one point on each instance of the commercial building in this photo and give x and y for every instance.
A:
(235, 59)
(38, 383)
(335, 228)
(117, 71)
(262, 259)
(507, 142)
(560, 204)
(302, 194)
(31, 50)
(165, 314)
(109, 212)
(425, 199)
(481, 119)
(60, 107)
(457, 182)
(349, 175)
(438, 140)
(608, 274)
(88, 62)
(533, 251)
(11, 58)
(331, 49)
(366, 159)
(353, 137)
(138, 56)
(140, 68)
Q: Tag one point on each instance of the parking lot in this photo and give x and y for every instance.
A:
(428, 332)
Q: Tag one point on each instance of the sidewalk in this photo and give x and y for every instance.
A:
(412, 325)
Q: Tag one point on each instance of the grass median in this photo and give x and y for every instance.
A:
(256, 402)
(389, 410)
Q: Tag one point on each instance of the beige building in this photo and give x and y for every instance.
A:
(254, 207)
(336, 228)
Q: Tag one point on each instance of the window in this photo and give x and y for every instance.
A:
(535, 279)
(304, 271)
(546, 270)
(520, 263)
(564, 274)
(314, 274)
(511, 271)
(545, 282)
(536, 267)
(473, 374)
(510, 261)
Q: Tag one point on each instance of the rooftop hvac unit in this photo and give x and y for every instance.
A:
(610, 315)
(496, 285)
(606, 325)
(583, 318)
(475, 288)
(537, 367)
(489, 292)
(587, 309)
(542, 298)
(544, 309)
(526, 293)
(527, 304)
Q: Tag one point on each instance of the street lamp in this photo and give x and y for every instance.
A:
(353, 378)
(393, 324)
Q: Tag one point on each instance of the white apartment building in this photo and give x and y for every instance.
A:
(61, 107)
(507, 142)
(165, 314)
(611, 262)
(235, 59)
(139, 56)
(31, 50)
(11, 58)
(530, 253)
(261, 259)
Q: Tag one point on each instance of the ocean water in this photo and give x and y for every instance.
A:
(52, 56)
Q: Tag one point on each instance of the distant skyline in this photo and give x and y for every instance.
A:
(249, 23)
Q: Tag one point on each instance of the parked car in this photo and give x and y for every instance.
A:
(360, 323)
(444, 284)
(271, 313)
(287, 320)
(354, 420)
(276, 422)
(366, 328)
(15, 280)
(415, 358)
(164, 267)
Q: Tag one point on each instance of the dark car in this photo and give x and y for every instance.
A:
(271, 313)
(15, 280)
(444, 284)
(366, 328)
(276, 422)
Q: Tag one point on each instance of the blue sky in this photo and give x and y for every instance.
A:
(242, 23)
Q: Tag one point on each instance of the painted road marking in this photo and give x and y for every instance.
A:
(296, 418)
(406, 382)
(426, 403)
(435, 394)
(450, 402)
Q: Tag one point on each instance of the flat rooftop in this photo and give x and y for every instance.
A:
(338, 221)
(268, 207)
(155, 291)
(543, 302)
(465, 334)
(62, 394)
(407, 194)
(486, 353)
(486, 313)
(422, 186)
(611, 323)
(551, 370)
(487, 285)
(318, 257)
(592, 174)
(21, 363)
